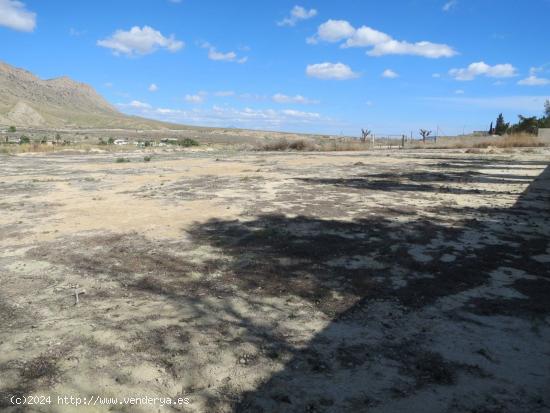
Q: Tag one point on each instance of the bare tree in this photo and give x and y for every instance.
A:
(425, 133)
(365, 134)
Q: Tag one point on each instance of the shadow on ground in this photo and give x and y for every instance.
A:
(317, 260)
(374, 280)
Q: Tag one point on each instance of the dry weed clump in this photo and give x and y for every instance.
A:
(287, 145)
(308, 146)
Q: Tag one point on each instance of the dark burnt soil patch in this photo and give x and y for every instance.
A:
(168, 346)
(41, 372)
(204, 187)
(42, 367)
(134, 262)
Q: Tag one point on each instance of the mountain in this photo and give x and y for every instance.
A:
(28, 101)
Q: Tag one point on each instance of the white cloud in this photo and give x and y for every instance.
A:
(299, 99)
(424, 49)
(337, 71)
(365, 36)
(252, 96)
(300, 115)
(197, 98)
(224, 93)
(450, 5)
(297, 14)
(333, 31)
(227, 116)
(436, 75)
(381, 44)
(135, 104)
(14, 15)
(139, 41)
(534, 80)
(483, 69)
(390, 74)
(153, 87)
(459, 92)
(214, 54)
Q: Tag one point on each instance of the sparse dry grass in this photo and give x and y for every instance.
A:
(347, 145)
(34, 147)
(44, 148)
(512, 141)
(486, 142)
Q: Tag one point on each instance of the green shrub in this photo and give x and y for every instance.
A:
(12, 129)
(122, 160)
(24, 139)
(187, 142)
(147, 158)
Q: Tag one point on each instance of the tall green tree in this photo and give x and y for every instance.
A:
(526, 125)
(501, 126)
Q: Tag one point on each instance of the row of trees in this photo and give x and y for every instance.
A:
(525, 124)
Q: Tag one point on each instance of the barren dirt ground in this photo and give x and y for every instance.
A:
(278, 282)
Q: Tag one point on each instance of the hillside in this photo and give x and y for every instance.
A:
(28, 101)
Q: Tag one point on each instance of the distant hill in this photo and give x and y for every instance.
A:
(28, 101)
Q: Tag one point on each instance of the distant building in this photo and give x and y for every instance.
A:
(121, 142)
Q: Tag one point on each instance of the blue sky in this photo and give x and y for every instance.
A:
(306, 66)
